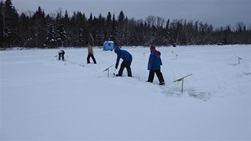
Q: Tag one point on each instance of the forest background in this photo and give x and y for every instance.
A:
(38, 29)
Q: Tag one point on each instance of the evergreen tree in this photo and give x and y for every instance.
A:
(121, 28)
(51, 40)
(25, 31)
(61, 34)
(114, 31)
(108, 26)
(67, 27)
(1, 24)
(10, 24)
(39, 28)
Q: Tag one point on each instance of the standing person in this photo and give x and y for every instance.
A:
(127, 60)
(154, 64)
(90, 54)
(61, 55)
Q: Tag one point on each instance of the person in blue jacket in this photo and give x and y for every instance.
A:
(154, 64)
(127, 60)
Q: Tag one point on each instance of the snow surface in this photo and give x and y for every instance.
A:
(46, 99)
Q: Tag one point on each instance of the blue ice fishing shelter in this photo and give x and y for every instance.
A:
(108, 45)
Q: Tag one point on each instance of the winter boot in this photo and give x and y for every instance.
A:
(162, 83)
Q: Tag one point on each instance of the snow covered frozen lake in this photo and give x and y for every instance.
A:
(46, 99)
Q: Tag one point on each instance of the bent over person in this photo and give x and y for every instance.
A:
(127, 60)
(61, 55)
(154, 64)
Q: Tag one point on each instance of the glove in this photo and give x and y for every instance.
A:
(116, 65)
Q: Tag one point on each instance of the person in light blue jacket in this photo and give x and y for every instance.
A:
(127, 61)
(154, 66)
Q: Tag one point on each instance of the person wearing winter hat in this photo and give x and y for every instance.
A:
(127, 60)
(154, 66)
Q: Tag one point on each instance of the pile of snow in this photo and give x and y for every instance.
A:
(46, 99)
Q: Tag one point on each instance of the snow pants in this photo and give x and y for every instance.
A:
(61, 56)
(127, 65)
(159, 75)
(91, 56)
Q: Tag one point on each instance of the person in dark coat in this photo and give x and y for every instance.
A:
(90, 54)
(61, 55)
(127, 60)
(154, 64)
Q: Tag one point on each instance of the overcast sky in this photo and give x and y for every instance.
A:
(216, 12)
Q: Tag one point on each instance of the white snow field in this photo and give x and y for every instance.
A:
(46, 99)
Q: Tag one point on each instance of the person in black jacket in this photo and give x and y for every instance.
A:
(61, 55)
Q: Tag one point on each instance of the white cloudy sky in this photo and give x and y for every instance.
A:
(215, 12)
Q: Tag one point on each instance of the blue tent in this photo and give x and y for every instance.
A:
(108, 45)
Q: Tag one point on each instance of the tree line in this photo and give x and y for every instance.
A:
(37, 29)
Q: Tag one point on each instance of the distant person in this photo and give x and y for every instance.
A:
(90, 54)
(61, 55)
(154, 64)
(127, 60)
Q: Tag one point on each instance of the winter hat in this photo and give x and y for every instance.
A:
(152, 47)
(117, 49)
